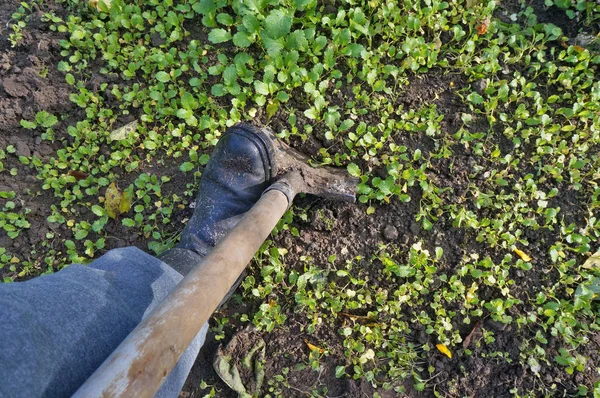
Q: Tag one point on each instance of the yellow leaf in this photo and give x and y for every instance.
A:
(98, 4)
(313, 347)
(126, 199)
(112, 202)
(15, 260)
(444, 350)
(523, 255)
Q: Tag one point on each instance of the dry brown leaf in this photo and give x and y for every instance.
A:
(359, 318)
(482, 28)
(468, 339)
(79, 175)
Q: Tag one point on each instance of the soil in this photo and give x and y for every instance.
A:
(29, 82)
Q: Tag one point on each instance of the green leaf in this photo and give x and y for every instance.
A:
(45, 119)
(297, 40)
(163, 77)
(184, 113)
(187, 166)
(354, 170)
(261, 87)
(28, 125)
(97, 210)
(218, 90)
(475, 98)
(230, 75)
(354, 50)
(188, 101)
(80, 234)
(205, 7)
(273, 46)
(311, 113)
(272, 108)
(204, 159)
(78, 34)
(219, 36)
(242, 40)
(251, 23)
(128, 222)
(278, 23)
(225, 19)
(304, 4)
(346, 124)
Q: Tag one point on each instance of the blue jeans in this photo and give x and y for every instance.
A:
(56, 330)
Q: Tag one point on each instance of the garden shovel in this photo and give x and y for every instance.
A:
(142, 362)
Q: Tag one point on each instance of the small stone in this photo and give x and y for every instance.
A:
(390, 232)
(480, 85)
(415, 228)
(439, 365)
(497, 326)
(422, 337)
(46, 150)
(23, 149)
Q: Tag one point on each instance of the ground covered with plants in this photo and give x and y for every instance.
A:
(469, 265)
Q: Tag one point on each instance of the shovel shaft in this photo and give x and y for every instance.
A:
(141, 363)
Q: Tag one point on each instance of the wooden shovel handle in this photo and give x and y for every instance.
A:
(142, 362)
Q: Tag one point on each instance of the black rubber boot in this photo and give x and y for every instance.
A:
(238, 172)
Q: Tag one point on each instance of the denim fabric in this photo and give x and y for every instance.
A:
(55, 330)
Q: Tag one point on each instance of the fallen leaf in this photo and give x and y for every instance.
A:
(444, 350)
(359, 318)
(96, 4)
(313, 347)
(79, 175)
(112, 201)
(468, 339)
(523, 255)
(482, 28)
(593, 261)
(126, 200)
(117, 202)
(123, 132)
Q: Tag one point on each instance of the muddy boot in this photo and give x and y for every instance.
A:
(238, 172)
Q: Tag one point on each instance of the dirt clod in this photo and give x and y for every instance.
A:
(390, 233)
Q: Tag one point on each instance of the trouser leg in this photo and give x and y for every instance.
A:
(57, 329)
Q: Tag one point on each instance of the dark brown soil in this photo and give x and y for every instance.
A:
(351, 232)
(29, 82)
